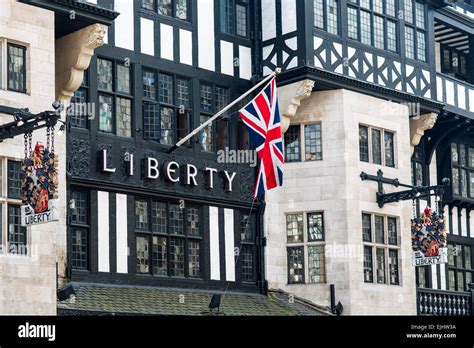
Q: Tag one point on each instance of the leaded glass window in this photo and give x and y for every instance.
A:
(389, 149)
(379, 229)
(79, 250)
(142, 254)
(292, 144)
(380, 265)
(316, 264)
(194, 259)
(368, 265)
(104, 75)
(295, 265)
(14, 179)
(393, 266)
(366, 227)
(313, 143)
(106, 113)
(16, 67)
(176, 257)
(160, 256)
(415, 30)
(141, 214)
(315, 227)
(248, 266)
(158, 217)
(392, 231)
(124, 117)
(364, 143)
(376, 147)
(192, 221)
(234, 17)
(294, 228)
(176, 219)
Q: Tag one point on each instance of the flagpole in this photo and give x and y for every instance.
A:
(202, 126)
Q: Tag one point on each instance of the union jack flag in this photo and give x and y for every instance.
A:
(262, 118)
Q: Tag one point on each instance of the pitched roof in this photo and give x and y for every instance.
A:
(101, 299)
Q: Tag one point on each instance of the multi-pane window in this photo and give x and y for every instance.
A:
(422, 276)
(168, 239)
(415, 29)
(376, 146)
(79, 229)
(293, 144)
(247, 249)
(16, 68)
(326, 15)
(303, 139)
(213, 99)
(305, 239)
(234, 17)
(13, 237)
(78, 110)
(115, 97)
(373, 23)
(381, 249)
(462, 170)
(460, 270)
(295, 265)
(418, 171)
(14, 179)
(171, 8)
(454, 62)
(166, 106)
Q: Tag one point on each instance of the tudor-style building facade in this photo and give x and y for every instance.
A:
(370, 85)
(141, 216)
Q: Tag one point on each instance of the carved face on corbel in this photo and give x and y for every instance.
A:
(96, 35)
(302, 91)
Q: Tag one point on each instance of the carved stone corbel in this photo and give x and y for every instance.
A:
(290, 98)
(73, 56)
(418, 126)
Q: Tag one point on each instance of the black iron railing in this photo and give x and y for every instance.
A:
(442, 302)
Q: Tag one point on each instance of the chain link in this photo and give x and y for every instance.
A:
(48, 136)
(415, 215)
(30, 142)
(52, 140)
(25, 138)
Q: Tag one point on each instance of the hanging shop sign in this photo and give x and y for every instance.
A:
(428, 236)
(39, 182)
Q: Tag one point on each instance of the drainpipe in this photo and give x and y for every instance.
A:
(262, 283)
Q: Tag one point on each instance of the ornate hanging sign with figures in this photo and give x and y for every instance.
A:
(428, 236)
(39, 182)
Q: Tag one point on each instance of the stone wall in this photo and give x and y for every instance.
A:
(333, 186)
(28, 284)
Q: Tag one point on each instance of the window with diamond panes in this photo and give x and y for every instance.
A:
(326, 15)
(178, 9)
(373, 23)
(234, 17)
(174, 235)
(415, 30)
(16, 68)
(115, 97)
